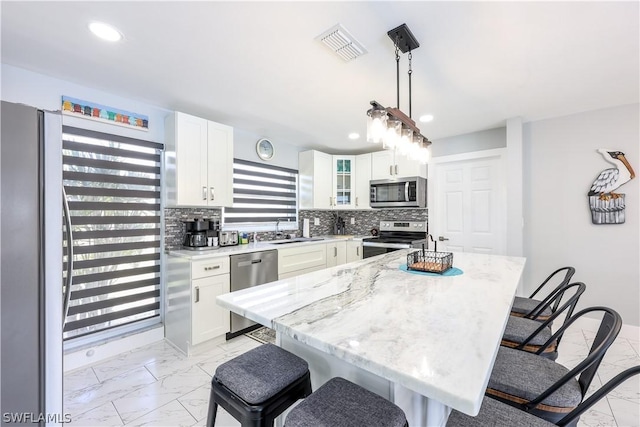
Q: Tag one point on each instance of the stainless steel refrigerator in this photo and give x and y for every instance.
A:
(31, 266)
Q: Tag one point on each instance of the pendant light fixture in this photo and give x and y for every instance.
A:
(390, 126)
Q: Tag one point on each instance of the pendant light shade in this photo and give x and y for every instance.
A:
(390, 126)
(393, 134)
(376, 125)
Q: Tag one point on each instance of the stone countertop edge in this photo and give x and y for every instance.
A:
(254, 247)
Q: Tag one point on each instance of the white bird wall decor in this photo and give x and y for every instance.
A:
(611, 179)
(606, 206)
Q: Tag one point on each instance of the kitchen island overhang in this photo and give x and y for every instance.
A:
(435, 336)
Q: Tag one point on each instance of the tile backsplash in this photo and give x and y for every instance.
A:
(364, 221)
(174, 228)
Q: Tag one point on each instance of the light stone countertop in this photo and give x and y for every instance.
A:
(435, 335)
(254, 247)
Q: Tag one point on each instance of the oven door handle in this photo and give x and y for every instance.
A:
(406, 192)
(387, 245)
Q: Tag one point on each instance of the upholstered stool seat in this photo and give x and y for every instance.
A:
(341, 403)
(520, 330)
(259, 385)
(525, 376)
(495, 413)
(523, 306)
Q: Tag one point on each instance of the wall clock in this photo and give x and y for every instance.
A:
(265, 149)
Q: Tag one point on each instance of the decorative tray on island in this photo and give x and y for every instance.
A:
(430, 261)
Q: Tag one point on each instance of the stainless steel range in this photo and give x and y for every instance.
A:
(395, 235)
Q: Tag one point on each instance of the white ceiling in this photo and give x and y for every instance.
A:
(257, 66)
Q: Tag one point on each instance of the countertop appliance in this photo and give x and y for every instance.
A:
(408, 192)
(196, 232)
(249, 270)
(31, 267)
(200, 233)
(395, 235)
(228, 238)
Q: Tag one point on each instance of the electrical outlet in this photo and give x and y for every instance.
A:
(316, 221)
(353, 220)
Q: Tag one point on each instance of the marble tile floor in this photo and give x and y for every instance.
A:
(158, 386)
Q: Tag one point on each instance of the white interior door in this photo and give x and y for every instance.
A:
(469, 203)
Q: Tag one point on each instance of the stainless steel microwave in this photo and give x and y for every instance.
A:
(408, 192)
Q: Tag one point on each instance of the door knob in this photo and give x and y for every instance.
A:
(442, 238)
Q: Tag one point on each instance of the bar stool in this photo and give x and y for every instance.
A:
(259, 385)
(341, 403)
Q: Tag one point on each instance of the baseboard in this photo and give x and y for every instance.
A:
(93, 354)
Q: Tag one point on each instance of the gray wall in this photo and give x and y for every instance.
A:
(469, 142)
(560, 163)
(244, 147)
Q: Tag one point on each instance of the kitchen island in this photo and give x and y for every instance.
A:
(427, 343)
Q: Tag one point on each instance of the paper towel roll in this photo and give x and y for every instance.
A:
(305, 228)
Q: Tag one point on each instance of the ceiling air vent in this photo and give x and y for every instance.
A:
(343, 44)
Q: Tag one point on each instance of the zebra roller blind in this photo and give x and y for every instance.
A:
(262, 195)
(113, 191)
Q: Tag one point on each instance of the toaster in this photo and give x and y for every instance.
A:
(228, 238)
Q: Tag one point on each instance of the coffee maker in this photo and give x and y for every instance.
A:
(196, 233)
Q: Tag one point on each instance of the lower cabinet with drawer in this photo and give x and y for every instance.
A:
(302, 259)
(192, 315)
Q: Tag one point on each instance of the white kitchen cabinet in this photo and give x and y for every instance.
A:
(192, 315)
(333, 182)
(336, 253)
(209, 320)
(363, 176)
(389, 164)
(198, 162)
(354, 250)
(316, 184)
(343, 180)
(301, 259)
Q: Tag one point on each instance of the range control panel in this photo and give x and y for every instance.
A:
(416, 226)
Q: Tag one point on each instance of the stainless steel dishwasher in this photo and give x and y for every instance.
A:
(249, 270)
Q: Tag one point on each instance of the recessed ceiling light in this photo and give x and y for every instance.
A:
(105, 31)
(354, 135)
(426, 118)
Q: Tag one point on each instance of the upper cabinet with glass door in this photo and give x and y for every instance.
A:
(344, 179)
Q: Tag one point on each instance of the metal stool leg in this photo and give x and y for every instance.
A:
(213, 410)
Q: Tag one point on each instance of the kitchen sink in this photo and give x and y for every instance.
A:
(295, 240)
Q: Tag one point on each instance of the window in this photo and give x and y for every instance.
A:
(262, 196)
(112, 185)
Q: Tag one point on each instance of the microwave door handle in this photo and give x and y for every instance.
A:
(406, 191)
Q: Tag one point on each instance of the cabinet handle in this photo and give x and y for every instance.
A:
(356, 200)
(197, 293)
(213, 195)
(330, 201)
(396, 169)
(391, 170)
(335, 203)
(204, 193)
(335, 252)
(358, 250)
(211, 268)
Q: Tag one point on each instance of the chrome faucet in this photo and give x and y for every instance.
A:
(278, 232)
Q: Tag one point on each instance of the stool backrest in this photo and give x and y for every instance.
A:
(599, 394)
(556, 275)
(607, 332)
(569, 306)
